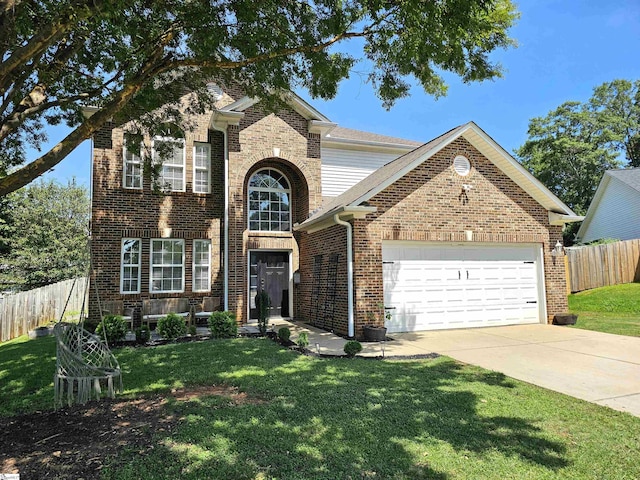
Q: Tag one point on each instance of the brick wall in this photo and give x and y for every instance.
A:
(279, 141)
(428, 204)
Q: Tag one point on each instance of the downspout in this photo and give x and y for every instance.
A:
(225, 254)
(350, 316)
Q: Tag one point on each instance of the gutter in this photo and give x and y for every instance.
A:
(560, 219)
(225, 254)
(350, 316)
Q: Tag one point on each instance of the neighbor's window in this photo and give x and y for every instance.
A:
(132, 163)
(201, 265)
(170, 153)
(167, 266)
(269, 201)
(201, 168)
(130, 265)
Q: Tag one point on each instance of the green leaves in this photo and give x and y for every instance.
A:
(570, 149)
(45, 235)
(130, 57)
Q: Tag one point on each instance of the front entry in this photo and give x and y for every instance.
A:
(269, 271)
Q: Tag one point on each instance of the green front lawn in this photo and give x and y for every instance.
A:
(614, 309)
(312, 418)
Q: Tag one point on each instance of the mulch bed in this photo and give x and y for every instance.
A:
(77, 442)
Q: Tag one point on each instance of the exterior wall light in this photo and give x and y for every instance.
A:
(558, 250)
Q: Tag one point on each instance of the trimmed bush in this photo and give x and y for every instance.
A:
(223, 325)
(112, 329)
(303, 340)
(172, 326)
(143, 334)
(284, 334)
(352, 347)
(193, 330)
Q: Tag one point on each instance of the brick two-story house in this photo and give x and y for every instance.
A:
(333, 223)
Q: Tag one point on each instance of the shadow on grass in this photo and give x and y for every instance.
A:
(327, 418)
(320, 418)
(26, 374)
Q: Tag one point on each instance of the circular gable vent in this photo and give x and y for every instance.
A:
(461, 165)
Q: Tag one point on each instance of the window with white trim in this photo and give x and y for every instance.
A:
(130, 261)
(132, 164)
(167, 266)
(269, 201)
(201, 265)
(201, 168)
(170, 152)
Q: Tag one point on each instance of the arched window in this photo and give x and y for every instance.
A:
(269, 201)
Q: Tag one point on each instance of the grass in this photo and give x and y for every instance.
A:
(614, 309)
(339, 418)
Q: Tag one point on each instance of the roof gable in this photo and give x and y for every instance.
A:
(393, 171)
(628, 177)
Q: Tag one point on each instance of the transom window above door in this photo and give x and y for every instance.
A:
(269, 201)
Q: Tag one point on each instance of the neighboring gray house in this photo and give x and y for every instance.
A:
(615, 209)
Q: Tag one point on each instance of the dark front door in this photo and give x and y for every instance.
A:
(270, 271)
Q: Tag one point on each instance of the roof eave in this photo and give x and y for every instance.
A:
(340, 142)
(327, 220)
(560, 219)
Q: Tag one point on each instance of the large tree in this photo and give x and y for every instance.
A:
(128, 57)
(45, 235)
(571, 147)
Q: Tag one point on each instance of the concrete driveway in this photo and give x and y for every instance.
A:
(597, 367)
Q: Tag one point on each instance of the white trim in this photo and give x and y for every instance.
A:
(139, 266)
(151, 265)
(196, 168)
(346, 213)
(164, 163)
(370, 145)
(133, 162)
(288, 191)
(194, 265)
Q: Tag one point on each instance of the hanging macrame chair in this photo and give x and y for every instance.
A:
(84, 364)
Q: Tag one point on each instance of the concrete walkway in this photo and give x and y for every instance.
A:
(593, 366)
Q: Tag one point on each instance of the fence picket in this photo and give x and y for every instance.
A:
(24, 311)
(601, 265)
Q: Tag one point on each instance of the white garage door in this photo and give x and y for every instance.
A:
(437, 286)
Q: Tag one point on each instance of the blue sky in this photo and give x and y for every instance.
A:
(566, 48)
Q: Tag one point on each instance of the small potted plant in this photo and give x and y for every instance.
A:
(373, 331)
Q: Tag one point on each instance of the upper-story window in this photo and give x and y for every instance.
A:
(170, 152)
(269, 201)
(132, 163)
(201, 168)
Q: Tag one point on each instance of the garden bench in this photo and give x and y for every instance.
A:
(116, 307)
(155, 309)
(202, 311)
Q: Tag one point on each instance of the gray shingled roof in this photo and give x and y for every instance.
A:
(381, 175)
(629, 176)
(350, 134)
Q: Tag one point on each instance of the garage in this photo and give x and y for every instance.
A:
(431, 286)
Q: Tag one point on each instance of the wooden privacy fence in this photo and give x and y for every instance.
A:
(24, 311)
(602, 265)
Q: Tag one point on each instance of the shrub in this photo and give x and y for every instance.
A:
(263, 304)
(192, 330)
(172, 326)
(303, 340)
(284, 334)
(143, 334)
(352, 347)
(112, 329)
(223, 325)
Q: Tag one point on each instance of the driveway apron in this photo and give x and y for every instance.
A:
(598, 367)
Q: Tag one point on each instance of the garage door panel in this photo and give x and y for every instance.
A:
(447, 286)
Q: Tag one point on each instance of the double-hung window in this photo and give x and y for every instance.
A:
(269, 202)
(167, 266)
(202, 168)
(170, 154)
(201, 265)
(130, 265)
(132, 164)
